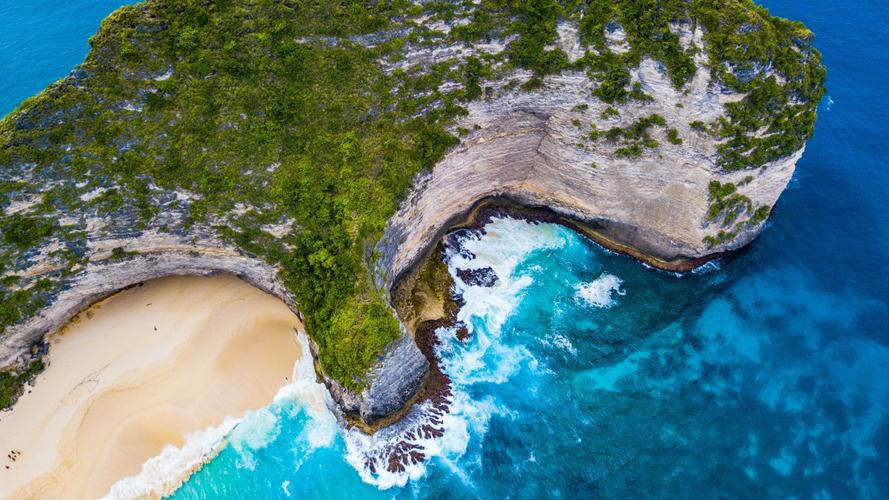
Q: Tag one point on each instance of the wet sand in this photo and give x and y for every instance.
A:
(139, 371)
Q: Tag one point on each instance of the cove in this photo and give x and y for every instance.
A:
(585, 373)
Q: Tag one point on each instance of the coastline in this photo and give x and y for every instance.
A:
(474, 218)
(152, 366)
(605, 233)
(445, 303)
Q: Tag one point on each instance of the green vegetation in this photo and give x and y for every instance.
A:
(532, 22)
(271, 111)
(23, 232)
(610, 112)
(721, 237)
(726, 201)
(16, 305)
(673, 136)
(760, 215)
(11, 383)
(634, 138)
(118, 253)
(750, 51)
(426, 289)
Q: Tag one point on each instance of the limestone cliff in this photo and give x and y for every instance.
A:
(535, 148)
(322, 158)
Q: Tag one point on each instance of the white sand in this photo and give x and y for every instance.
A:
(117, 390)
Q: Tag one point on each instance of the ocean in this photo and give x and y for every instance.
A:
(764, 374)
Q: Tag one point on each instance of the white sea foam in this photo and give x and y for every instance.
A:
(163, 474)
(362, 447)
(561, 342)
(599, 292)
(505, 244)
(485, 359)
(256, 431)
(708, 267)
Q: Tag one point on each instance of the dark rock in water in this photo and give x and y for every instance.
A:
(424, 421)
(484, 276)
(463, 333)
(454, 241)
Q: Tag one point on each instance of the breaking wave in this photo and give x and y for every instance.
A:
(600, 292)
(162, 475)
(441, 430)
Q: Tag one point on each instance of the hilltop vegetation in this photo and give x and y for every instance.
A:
(309, 113)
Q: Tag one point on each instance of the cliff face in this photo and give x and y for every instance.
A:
(536, 148)
(324, 166)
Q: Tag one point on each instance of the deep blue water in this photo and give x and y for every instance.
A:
(588, 374)
(42, 40)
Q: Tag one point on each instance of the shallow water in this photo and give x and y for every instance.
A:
(589, 374)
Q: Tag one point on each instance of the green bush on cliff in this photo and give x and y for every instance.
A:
(22, 231)
(725, 201)
(673, 137)
(11, 382)
(635, 138)
(748, 50)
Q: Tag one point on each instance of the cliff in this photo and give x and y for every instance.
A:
(321, 152)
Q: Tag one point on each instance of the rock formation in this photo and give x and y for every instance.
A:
(644, 173)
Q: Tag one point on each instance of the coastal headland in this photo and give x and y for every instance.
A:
(323, 159)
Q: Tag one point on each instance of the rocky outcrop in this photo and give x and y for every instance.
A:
(484, 277)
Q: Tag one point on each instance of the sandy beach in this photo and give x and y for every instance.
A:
(141, 370)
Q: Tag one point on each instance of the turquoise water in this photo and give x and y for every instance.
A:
(42, 40)
(587, 374)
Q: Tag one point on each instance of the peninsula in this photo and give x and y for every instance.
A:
(320, 151)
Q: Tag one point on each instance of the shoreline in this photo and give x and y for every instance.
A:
(139, 372)
(473, 218)
(482, 210)
(480, 214)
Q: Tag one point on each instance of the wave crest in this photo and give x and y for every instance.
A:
(599, 292)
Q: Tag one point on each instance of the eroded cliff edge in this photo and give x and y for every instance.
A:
(535, 148)
(320, 152)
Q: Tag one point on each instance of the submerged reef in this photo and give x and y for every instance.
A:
(321, 150)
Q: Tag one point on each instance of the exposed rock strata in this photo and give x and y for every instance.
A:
(533, 147)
